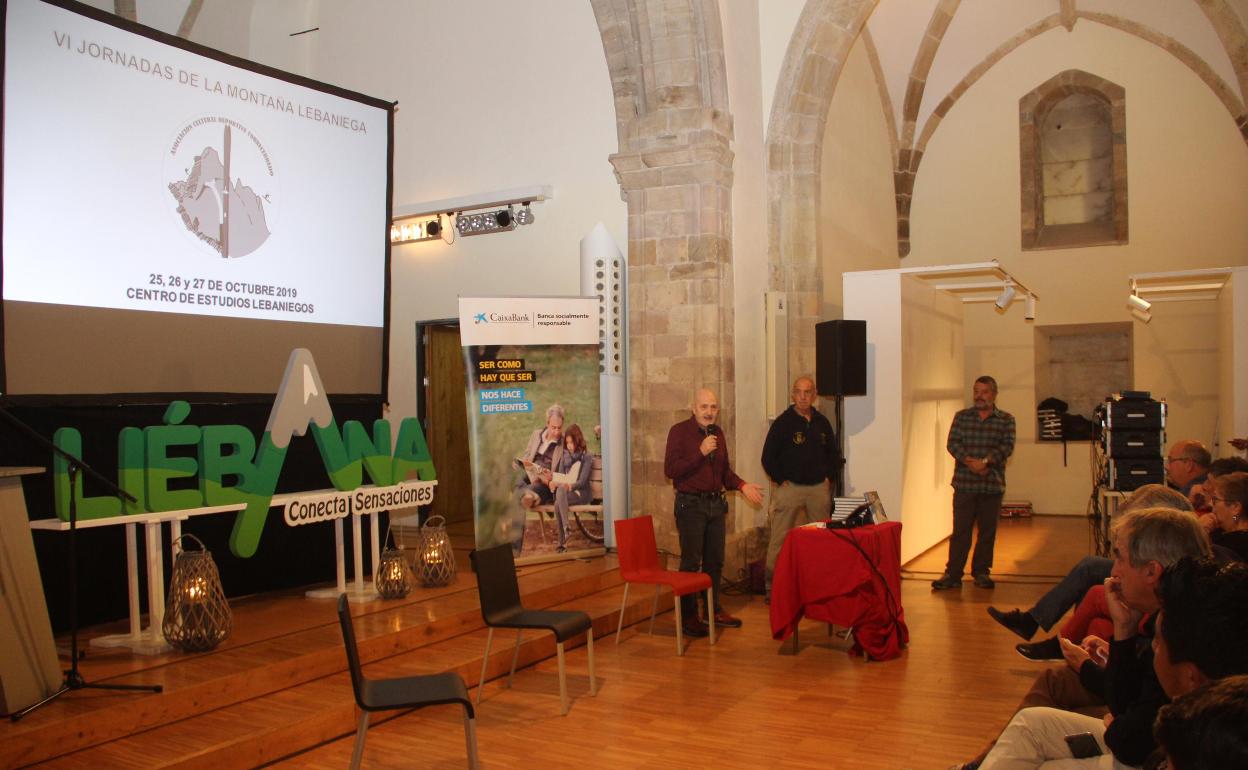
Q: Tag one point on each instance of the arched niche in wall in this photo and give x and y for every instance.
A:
(1073, 162)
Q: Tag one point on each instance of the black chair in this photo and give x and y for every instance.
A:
(407, 692)
(500, 607)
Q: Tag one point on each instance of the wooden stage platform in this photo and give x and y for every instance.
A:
(279, 685)
(277, 692)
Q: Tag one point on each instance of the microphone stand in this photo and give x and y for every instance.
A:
(73, 678)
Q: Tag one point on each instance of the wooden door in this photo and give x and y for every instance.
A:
(446, 422)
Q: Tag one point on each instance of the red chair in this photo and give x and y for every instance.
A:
(639, 563)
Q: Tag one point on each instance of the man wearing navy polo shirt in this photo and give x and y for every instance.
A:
(696, 461)
(980, 440)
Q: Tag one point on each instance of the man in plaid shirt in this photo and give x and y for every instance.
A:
(980, 440)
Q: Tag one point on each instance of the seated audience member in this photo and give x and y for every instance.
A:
(1204, 730)
(1229, 496)
(1219, 467)
(1202, 637)
(1146, 542)
(1187, 464)
(1228, 493)
(1090, 571)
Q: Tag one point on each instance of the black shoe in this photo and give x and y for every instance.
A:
(946, 581)
(696, 629)
(1046, 649)
(727, 621)
(983, 581)
(1021, 623)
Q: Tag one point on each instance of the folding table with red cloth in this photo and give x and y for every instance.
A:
(820, 574)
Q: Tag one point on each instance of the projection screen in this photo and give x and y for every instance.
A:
(177, 220)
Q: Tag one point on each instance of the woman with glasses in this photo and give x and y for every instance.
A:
(1229, 497)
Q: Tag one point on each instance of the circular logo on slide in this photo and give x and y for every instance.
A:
(221, 185)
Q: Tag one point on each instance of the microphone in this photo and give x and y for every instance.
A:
(710, 431)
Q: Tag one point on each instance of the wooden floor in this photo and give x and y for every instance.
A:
(745, 702)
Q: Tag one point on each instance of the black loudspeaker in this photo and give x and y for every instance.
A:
(841, 358)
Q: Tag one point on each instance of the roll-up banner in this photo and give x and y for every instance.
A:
(533, 423)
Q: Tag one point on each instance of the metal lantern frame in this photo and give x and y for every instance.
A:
(435, 558)
(197, 614)
(391, 577)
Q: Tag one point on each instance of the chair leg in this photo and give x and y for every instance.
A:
(485, 659)
(623, 603)
(515, 656)
(710, 613)
(680, 625)
(361, 730)
(563, 680)
(589, 643)
(470, 737)
(654, 607)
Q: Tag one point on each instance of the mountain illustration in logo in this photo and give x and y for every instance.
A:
(229, 216)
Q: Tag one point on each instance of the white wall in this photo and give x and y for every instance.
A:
(492, 95)
(776, 21)
(857, 210)
(895, 435)
(1232, 362)
(933, 389)
(1188, 191)
(873, 423)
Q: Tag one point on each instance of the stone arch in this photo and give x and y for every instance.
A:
(674, 164)
(821, 42)
(1220, 88)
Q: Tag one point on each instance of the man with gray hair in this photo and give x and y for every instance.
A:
(540, 456)
(1146, 542)
(1090, 571)
(696, 460)
(1187, 464)
(800, 457)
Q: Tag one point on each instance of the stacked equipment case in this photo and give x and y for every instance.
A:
(1133, 436)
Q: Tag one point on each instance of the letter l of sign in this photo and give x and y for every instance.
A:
(300, 400)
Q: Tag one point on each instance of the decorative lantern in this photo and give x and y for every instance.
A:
(197, 616)
(390, 577)
(435, 559)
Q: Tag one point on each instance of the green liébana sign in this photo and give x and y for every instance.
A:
(145, 467)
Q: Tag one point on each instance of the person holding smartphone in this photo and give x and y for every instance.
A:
(1146, 542)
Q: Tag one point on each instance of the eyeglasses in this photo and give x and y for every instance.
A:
(1214, 500)
(1177, 459)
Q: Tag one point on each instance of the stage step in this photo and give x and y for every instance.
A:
(286, 723)
(270, 698)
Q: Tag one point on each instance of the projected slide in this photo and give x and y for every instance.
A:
(142, 176)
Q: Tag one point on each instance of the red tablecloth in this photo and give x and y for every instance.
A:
(821, 575)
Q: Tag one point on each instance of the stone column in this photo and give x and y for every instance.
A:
(680, 290)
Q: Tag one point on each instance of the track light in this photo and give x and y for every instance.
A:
(1136, 302)
(414, 230)
(482, 222)
(1006, 296)
(525, 215)
(1030, 315)
(1143, 316)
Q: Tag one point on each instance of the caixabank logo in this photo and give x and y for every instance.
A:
(223, 185)
(146, 465)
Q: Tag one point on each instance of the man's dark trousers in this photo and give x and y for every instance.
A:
(700, 524)
(971, 509)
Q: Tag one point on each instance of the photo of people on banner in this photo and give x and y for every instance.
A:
(534, 427)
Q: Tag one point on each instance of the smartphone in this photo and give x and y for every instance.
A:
(1083, 745)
